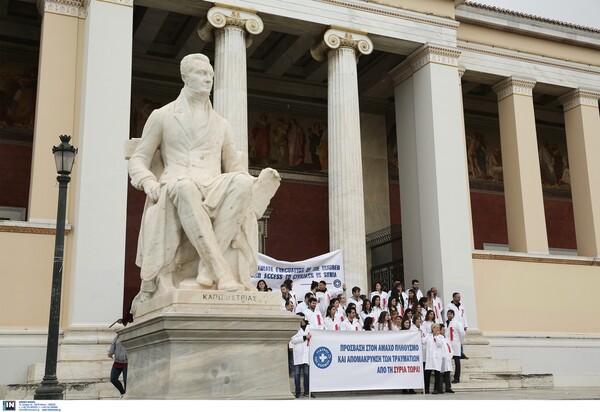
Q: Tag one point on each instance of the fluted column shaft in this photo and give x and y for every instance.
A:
(231, 30)
(525, 215)
(582, 123)
(346, 196)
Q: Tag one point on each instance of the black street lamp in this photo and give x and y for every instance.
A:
(64, 156)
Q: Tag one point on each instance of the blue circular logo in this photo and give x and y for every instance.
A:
(322, 357)
(337, 283)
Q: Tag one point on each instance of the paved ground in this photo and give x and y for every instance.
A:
(516, 394)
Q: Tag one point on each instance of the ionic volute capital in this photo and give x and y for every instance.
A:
(335, 39)
(221, 17)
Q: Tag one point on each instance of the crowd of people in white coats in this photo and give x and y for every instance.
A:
(442, 328)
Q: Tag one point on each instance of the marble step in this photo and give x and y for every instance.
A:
(73, 371)
(490, 365)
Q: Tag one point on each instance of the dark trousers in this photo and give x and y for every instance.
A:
(437, 384)
(114, 378)
(446, 379)
(456, 368)
(291, 361)
(298, 370)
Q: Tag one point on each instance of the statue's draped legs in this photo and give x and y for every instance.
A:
(211, 238)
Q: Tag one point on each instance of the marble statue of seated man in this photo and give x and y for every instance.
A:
(199, 226)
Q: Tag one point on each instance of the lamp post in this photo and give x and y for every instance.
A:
(64, 156)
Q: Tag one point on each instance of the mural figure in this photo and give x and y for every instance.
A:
(296, 141)
(260, 135)
(314, 140)
(280, 141)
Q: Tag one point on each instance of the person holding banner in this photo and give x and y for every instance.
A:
(435, 357)
(301, 341)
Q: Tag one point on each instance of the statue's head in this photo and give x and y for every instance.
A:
(197, 72)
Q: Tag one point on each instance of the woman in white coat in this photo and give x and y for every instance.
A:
(331, 319)
(435, 357)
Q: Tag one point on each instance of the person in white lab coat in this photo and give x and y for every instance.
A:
(460, 315)
(433, 362)
(455, 334)
(300, 342)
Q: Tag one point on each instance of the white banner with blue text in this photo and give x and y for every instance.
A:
(328, 267)
(356, 361)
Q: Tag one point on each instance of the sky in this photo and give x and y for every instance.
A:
(581, 12)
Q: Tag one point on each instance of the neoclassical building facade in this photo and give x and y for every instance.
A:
(474, 129)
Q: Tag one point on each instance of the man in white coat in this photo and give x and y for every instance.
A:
(300, 342)
(356, 299)
(351, 323)
(447, 360)
(313, 316)
(460, 315)
(455, 334)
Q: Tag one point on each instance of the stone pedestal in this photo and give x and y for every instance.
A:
(192, 344)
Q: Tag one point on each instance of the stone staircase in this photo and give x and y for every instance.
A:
(482, 372)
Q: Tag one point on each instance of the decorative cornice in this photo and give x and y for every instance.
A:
(535, 259)
(529, 59)
(336, 38)
(513, 85)
(220, 17)
(427, 53)
(388, 11)
(579, 97)
(75, 8)
(127, 3)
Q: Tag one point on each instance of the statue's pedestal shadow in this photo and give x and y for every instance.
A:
(191, 344)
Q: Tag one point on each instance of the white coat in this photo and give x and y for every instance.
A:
(300, 346)
(459, 314)
(447, 355)
(435, 352)
(323, 301)
(331, 324)
(358, 302)
(455, 333)
(347, 325)
(315, 319)
(438, 308)
(383, 297)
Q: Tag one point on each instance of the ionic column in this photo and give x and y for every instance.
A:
(346, 197)
(231, 30)
(100, 180)
(434, 185)
(55, 102)
(522, 177)
(582, 124)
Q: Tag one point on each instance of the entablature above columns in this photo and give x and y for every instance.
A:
(222, 16)
(75, 8)
(424, 55)
(336, 38)
(495, 61)
(579, 97)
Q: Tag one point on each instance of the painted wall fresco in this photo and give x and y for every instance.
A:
(287, 142)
